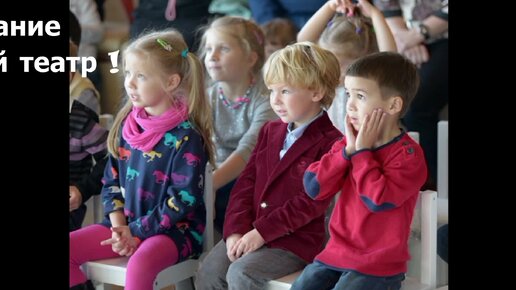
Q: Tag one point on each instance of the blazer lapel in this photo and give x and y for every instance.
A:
(277, 137)
(308, 140)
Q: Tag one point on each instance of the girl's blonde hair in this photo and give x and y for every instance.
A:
(305, 65)
(354, 36)
(176, 61)
(280, 31)
(248, 34)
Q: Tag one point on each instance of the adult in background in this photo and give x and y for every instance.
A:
(420, 29)
(299, 11)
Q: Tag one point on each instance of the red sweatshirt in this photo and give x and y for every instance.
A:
(370, 224)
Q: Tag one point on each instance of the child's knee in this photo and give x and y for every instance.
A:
(238, 272)
(209, 276)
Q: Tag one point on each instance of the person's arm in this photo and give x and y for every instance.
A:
(93, 142)
(385, 186)
(112, 197)
(265, 10)
(240, 210)
(436, 25)
(324, 178)
(228, 170)
(384, 36)
(236, 162)
(406, 38)
(315, 26)
(117, 219)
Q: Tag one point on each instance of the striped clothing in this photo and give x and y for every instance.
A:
(87, 140)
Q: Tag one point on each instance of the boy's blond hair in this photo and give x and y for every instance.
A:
(305, 65)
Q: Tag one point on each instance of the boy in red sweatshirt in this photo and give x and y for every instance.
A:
(379, 171)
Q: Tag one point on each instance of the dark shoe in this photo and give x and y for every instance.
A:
(84, 286)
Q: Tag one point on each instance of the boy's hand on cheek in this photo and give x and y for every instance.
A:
(350, 137)
(371, 129)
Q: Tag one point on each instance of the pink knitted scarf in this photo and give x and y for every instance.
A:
(154, 127)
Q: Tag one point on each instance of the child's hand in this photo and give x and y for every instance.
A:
(407, 38)
(75, 198)
(350, 137)
(417, 54)
(114, 241)
(121, 241)
(231, 246)
(341, 6)
(131, 246)
(371, 129)
(250, 242)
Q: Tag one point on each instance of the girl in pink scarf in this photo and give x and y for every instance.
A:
(159, 146)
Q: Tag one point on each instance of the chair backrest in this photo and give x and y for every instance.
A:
(209, 201)
(113, 271)
(442, 159)
(423, 248)
(414, 135)
(423, 244)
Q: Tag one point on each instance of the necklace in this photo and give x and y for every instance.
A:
(239, 101)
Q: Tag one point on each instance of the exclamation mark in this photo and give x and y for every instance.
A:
(114, 61)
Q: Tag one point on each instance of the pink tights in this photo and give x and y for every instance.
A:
(153, 255)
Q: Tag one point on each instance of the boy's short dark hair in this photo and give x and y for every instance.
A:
(395, 75)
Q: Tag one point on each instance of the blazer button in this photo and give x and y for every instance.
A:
(263, 205)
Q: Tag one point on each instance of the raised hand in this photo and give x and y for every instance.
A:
(342, 6)
(351, 134)
(371, 129)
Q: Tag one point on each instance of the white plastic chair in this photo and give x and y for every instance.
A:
(423, 244)
(442, 188)
(113, 271)
(427, 223)
(442, 159)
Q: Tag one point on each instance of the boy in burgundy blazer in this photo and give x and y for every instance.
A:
(272, 227)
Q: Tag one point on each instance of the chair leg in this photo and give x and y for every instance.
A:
(84, 286)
